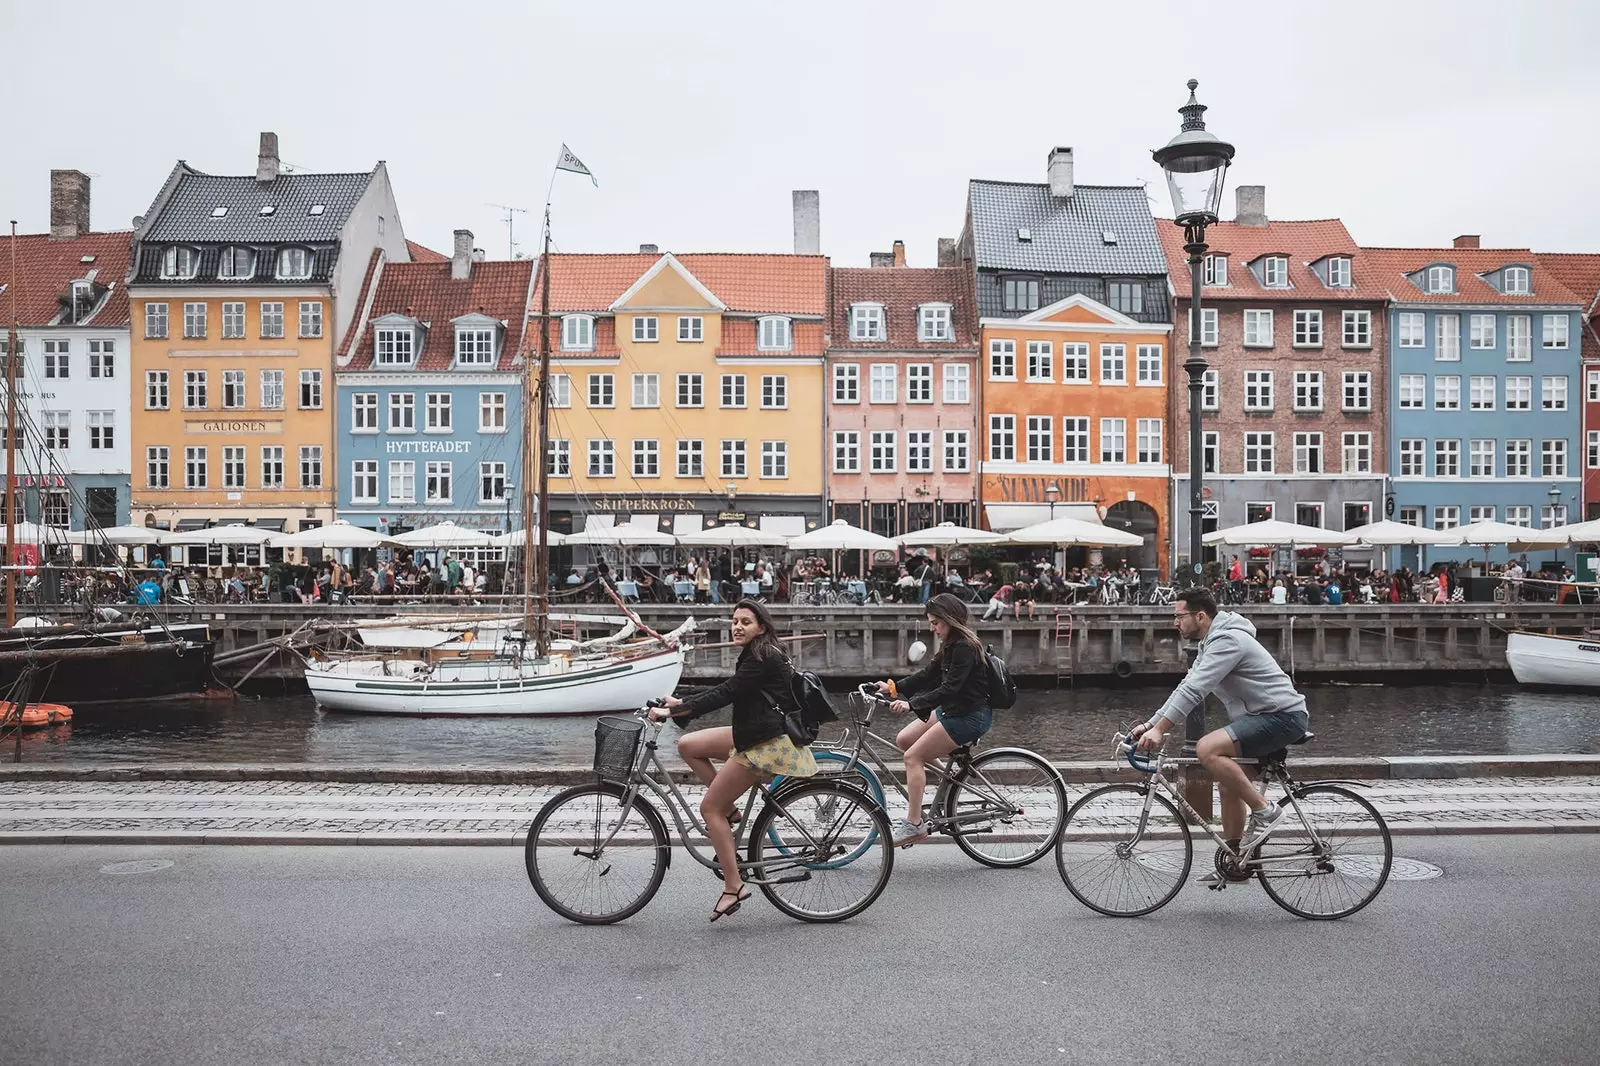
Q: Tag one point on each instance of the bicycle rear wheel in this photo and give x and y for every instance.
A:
(1333, 868)
(1114, 868)
(1023, 803)
(593, 862)
(815, 823)
(831, 766)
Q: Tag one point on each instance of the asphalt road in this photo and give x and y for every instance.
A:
(444, 955)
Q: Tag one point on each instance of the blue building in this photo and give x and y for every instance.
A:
(430, 394)
(1485, 390)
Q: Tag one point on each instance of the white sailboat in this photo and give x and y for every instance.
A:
(1543, 659)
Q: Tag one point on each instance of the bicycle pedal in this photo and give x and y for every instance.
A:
(1218, 886)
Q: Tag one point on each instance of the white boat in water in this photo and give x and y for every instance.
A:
(1541, 659)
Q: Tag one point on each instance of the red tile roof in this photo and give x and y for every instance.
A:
(1302, 243)
(739, 338)
(901, 290)
(1579, 273)
(423, 254)
(1393, 264)
(425, 291)
(47, 268)
(759, 284)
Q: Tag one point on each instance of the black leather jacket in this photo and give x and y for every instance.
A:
(758, 687)
(957, 680)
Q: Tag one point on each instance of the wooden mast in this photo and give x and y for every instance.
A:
(8, 498)
(539, 594)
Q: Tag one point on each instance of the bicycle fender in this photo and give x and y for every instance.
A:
(652, 816)
(1301, 786)
(1024, 751)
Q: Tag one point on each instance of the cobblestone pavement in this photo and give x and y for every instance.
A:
(323, 812)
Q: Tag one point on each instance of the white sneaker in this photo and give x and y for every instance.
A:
(1260, 824)
(905, 833)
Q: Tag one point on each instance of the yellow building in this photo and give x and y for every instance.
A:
(686, 390)
(241, 288)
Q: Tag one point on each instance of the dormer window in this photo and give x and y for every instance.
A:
(1338, 272)
(1441, 279)
(396, 347)
(577, 333)
(1216, 270)
(317, 209)
(933, 322)
(474, 346)
(295, 263)
(1516, 281)
(1275, 272)
(773, 334)
(179, 263)
(237, 264)
(866, 322)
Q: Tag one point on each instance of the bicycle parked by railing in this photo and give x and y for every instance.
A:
(597, 852)
(1004, 806)
(1125, 850)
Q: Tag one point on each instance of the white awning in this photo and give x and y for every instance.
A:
(644, 521)
(598, 521)
(1006, 517)
(784, 525)
(686, 523)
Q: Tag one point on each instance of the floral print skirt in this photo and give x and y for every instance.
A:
(777, 757)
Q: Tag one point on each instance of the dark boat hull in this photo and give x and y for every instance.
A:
(84, 667)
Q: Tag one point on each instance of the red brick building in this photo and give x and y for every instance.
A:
(1581, 274)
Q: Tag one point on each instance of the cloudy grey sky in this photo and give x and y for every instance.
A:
(1412, 121)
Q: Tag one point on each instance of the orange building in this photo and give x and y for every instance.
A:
(1074, 395)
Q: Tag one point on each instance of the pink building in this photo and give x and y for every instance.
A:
(902, 396)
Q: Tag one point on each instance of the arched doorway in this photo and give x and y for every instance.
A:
(1140, 519)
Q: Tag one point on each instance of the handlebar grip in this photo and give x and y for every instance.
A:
(1145, 764)
(657, 702)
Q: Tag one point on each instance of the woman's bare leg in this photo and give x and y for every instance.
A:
(697, 749)
(731, 782)
(934, 743)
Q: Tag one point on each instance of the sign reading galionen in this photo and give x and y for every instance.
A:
(234, 425)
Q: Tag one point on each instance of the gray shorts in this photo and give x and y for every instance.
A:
(1259, 734)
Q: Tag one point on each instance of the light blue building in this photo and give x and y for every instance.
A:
(430, 395)
(1485, 391)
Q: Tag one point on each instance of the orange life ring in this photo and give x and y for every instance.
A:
(35, 714)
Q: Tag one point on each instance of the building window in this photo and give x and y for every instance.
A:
(1446, 458)
(194, 321)
(310, 390)
(866, 322)
(1448, 517)
(846, 452)
(102, 359)
(1258, 329)
(1481, 458)
(1481, 331)
(733, 458)
(1074, 440)
(646, 390)
(233, 389)
(1148, 440)
(232, 320)
(475, 347)
(1553, 458)
(57, 430)
(692, 458)
(1357, 331)
(1410, 516)
(1113, 364)
(363, 412)
(646, 458)
(491, 412)
(1441, 279)
(395, 347)
(846, 383)
(1480, 513)
(155, 321)
(272, 467)
(1516, 281)
(1555, 331)
(492, 482)
(1593, 450)
(577, 333)
(919, 451)
(957, 452)
(774, 335)
(1259, 512)
(179, 264)
(645, 329)
(1519, 458)
(1148, 364)
(271, 320)
(1481, 391)
(1113, 440)
(1447, 332)
(194, 390)
(1074, 363)
(691, 328)
(403, 482)
(102, 430)
(919, 383)
(437, 487)
(1308, 453)
(733, 390)
(1447, 392)
(155, 390)
(774, 459)
(1125, 296)
(1259, 451)
(157, 467)
(1413, 391)
(1519, 515)
(194, 468)
(311, 467)
(1308, 514)
(883, 383)
(882, 453)
(560, 390)
(602, 458)
(233, 468)
(1020, 294)
(272, 390)
(1551, 516)
(402, 412)
(602, 390)
(1413, 329)
(933, 323)
(1041, 358)
(310, 318)
(1308, 390)
(774, 392)
(1338, 272)
(1412, 453)
(1211, 390)
(1002, 438)
(1593, 380)
(1357, 390)
(1275, 272)
(1209, 337)
(1519, 393)
(439, 412)
(364, 481)
(1002, 360)
(1258, 390)
(295, 263)
(57, 359)
(1308, 328)
(1357, 454)
(1216, 270)
(1553, 394)
(1209, 446)
(1040, 435)
(558, 457)
(1519, 338)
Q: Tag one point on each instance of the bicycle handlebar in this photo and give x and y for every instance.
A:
(1125, 748)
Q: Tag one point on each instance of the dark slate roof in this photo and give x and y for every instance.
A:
(1068, 234)
(186, 216)
(147, 267)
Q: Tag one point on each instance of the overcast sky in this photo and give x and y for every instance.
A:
(1412, 121)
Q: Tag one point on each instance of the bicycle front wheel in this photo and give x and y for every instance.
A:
(1328, 860)
(1007, 810)
(815, 824)
(1116, 860)
(593, 861)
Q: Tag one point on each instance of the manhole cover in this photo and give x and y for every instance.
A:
(136, 866)
(1413, 870)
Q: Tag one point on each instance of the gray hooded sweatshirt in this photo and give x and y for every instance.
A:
(1233, 666)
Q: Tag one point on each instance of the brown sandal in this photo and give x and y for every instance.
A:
(719, 911)
(734, 817)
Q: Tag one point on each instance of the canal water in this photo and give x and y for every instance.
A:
(1063, 724)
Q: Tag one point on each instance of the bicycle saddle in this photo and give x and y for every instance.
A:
(1283, 753)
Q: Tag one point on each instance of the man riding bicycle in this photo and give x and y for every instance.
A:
(1265, 711)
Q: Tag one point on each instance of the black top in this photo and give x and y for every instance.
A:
(758, 687)
(957, 680)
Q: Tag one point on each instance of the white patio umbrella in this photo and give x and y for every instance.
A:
(1074, 532)
(120, 535)
(229, 534)
(34, 533)
(1388, 534)
(731, 535)
(948, 535)
(1275, 533)
(334, 535)
(841, 536)
(445, 534)
(1580, 532)
(1488, 534)
(517, 537)
(618, 536)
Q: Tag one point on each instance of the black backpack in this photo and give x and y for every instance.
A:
(1002, 689)
(813, 710)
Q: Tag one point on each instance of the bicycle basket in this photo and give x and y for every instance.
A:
(616, 746)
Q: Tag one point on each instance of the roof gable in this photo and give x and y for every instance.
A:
(667, 286)
(1080, 309)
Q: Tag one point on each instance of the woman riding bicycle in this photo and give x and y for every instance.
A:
(755, 747)
(951, 697)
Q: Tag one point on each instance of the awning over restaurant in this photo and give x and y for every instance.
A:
(274, 524)
(190, 523)
(683, 524)
(784, 525)
(1006, 517)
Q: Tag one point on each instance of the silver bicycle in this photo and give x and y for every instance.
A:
(818, 848)
(1126, 851)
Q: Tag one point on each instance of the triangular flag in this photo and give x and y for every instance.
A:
(571, 162)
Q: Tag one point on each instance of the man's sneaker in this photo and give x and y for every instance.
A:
(1260, 824)
(1212, 880)
(906, 833)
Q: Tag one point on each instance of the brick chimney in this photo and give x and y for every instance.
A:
(649, 249)
(69, 204)
(267, 162)
(1060, 172)
(1466, 240)
(807, 222)
(899, 253)
(881, 259)
(947, 251)
(461, 261)
(1251, 209)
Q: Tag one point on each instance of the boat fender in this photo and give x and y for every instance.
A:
(1123, 669)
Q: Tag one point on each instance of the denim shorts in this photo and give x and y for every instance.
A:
(1259, 734)
(966, 728)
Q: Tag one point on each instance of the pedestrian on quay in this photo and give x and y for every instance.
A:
(998, 602)
(702, 582)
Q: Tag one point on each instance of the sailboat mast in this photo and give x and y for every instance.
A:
(541, 563)
(9, 497)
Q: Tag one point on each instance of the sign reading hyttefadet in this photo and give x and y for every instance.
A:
(427, 447)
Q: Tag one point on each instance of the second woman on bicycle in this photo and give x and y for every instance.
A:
(951, 697)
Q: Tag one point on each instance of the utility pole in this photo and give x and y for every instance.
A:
(510, 219)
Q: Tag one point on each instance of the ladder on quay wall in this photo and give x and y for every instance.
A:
(1062, 646)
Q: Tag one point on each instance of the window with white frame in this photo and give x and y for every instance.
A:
(560, 390)
(1447, 517)
(272, 319)
(1481, 454)
(646, 390)
(733, 458)
(558, 457)
(1413, 329)
(883, 383)
(492, 482)
(1308, 453)
(1002, 360)
(1552, 515)
(646, 458)
(1447, 338)
(919, 383)
(882, 447)
(233, 468)
(1555, 331)
(1216, 270)
(602, 458)
(1446, 458)
(1519, 338)
(1002, 438)
(774, 334)
(179, 263)
(1074, 363)
(395, 347)
(646, 329)
(1515, 281)
(733, 390)
(1553, 393)
(310, 318)
(194, 321)
(1147, 440)
(1592, 456)
(957, 451)
(692, 329)
(310, 390)
(1481, 331)
(57, 359)
(1258, 390)
(847, 383)
(1482, 392)
(1020, 294)
(692, 458)
(1041, 361)
(1209, 336)
(602, 390)
(1519, 393)
(195, 461)
(691, 390)
(1211, 390)
(1308, 328)
(1040, 438)
(1357, 329)
(1553, 458)
(919, 451)
(1441, 279)
(1480, 513)
(402, 481)
(232, 324)
(102, 430)
(491, 412)
(1338, 272)
(933, 323)
(155, 321)
(866, 322)
(1259, 512)
(1412, 393)
(1409, 516)
(475, 347)
(233, 389)
(1308, 390)
(1210, 446)
(1413, 457)
(295, 263)
(1275, 272)
(311, 467)
(1259, 449)
(437, 484)
(1075, 440)
(774, 459)
(1147, 364)
(1519, 514)
(440, 417)
(1356, 453)
(402, 412)
(1113, 364)
(957, 383)
(1519, 458)
(1357, 390)
(272, 390)
(1113, 440)
(272, 467)
(577, 333)
(194, 390)
(1447, 392)
(156, 395)
(846, 451)
(1258, 328)
(774, 392)
(1593, 383)
(363, 412)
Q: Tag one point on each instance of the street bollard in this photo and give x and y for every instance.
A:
(1195, 782)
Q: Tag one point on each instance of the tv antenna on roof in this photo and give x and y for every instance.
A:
(510, 219)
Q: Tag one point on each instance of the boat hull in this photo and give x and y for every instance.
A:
(85, 667)
(1565, 662)
(496, 687)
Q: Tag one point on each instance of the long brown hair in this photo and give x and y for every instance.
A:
(951, 611)
(765, 645)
